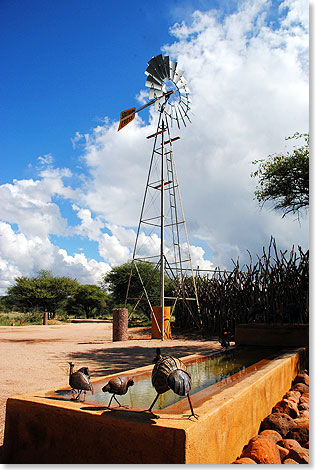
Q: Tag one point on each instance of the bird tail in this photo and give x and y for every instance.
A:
(179, 381)
(106, 387)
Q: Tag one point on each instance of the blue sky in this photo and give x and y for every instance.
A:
(70, 67)
(67, 64)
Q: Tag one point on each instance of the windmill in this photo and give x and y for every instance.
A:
(162, 237)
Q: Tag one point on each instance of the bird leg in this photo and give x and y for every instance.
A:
(113, 396)
(191, 408)
(78, 395)
(153, 403)
(122, 406)
(117, 401)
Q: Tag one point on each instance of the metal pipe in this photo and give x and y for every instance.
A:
(162, 263)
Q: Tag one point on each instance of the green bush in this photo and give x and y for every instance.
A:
(34, 318)
(6, 319)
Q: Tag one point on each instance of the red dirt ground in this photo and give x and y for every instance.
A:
(36, 357)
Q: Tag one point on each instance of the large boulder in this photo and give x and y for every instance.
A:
(271, 434)
(286, 406)
(284, 453)
(293, 395)
(289, 444)
(303, 418)
(300, 433)
(280, 422)
(262, 450)
(301, 378)
(300, 387)
(300, 456)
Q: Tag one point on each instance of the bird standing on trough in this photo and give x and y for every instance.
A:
(79, 381)
(117, 386)
(170, 373)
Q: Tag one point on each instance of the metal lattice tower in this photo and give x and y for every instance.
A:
(162, 237)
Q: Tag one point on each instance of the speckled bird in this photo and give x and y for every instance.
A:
(117, 386)
(79, 381)
(170, 373)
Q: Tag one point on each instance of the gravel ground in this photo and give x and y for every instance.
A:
(36, 357)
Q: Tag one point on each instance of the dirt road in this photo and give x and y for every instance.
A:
(36, 357)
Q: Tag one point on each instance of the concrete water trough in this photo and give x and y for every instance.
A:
(48, 428)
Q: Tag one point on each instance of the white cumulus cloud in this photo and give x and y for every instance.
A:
(248, 76)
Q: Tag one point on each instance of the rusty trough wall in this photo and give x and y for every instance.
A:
(47, 431)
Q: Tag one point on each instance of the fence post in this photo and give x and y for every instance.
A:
(120, 324)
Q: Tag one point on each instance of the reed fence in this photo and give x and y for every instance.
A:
(273, 289)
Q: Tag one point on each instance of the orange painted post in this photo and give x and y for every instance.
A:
(120, 324)
(45, 319)
(157, 323)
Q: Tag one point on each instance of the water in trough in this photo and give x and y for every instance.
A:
(204, 372)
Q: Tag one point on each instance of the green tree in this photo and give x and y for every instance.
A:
(43, 292)
(283, 179)
(117, 280)
(88, 299)
(52, 291)
(23, 294)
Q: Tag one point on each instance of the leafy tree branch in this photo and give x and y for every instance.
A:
(283, 179)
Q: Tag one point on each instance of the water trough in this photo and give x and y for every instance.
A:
(47, 427)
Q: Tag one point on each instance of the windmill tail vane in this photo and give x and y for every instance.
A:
(162, 215)
(128, 115)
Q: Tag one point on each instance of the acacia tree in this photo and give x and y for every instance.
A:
(89, 299)
(116, 281)
(283, 179)
(44, 292)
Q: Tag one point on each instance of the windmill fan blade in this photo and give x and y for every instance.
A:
(178, 74)
(181, 115)
(184, 91)
(158, 65)
(185, 105)
(156, 74)
(185, 98)
(173, 114)
(173, 66)
(152, 82)
(161, 65)
(154, 93)
(181, 82)
(176, 118)
(167, 65)
(186, 114)
(184, 109)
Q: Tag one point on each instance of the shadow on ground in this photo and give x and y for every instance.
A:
(112, 360)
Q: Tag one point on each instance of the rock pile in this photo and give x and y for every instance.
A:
(284, 434)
